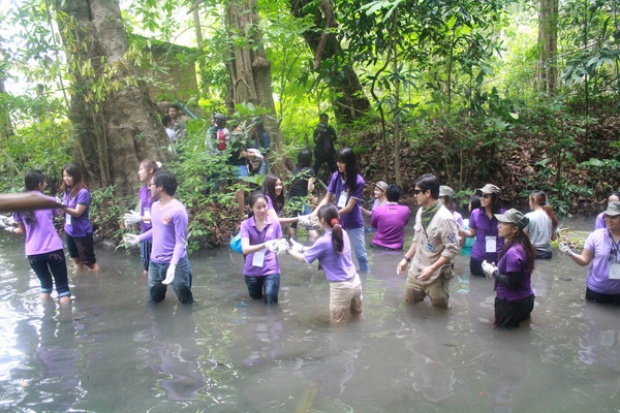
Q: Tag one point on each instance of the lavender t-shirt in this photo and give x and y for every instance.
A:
(272, 230)
(352, 219)
(169, 232)
(41, 235)
(337, 267)
(484, 227)
(390, 221)
(600, 221)
(80, 226)
(514, 260)
(146, 203)
(600, 243)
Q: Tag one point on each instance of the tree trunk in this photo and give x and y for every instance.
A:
(548, 46)
(6, 128)
(351, 103)
(116, 125)
(250, 70)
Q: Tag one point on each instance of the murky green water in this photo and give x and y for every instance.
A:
(115, 353)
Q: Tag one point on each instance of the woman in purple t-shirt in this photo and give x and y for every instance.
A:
(333, 251)
(78, 229)
(259, 236)
(146, 170)
(44, 247)
(514, 300)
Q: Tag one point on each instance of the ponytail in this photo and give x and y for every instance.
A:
(329, 213)
(540, 198)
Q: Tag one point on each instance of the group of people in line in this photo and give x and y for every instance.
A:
(506, 243)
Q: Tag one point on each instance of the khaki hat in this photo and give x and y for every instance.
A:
(515, 217)
(382, 186)
(490, 189)
(613, 209)
(446, 191)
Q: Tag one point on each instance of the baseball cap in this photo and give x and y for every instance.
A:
(613, 209)
(382, 186)
(490, 189)
(446, 191)
(515, 217)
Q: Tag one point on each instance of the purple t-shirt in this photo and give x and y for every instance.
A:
(514, 260)
(169, 232)
(352, 219)
(80, 226)
(41, 235)
(146, 202)
(390, 221)
(270, 205)
(272, 230)
(600, 243)
(484, 227)
(600, 221)
(337, 267)
(458, 218)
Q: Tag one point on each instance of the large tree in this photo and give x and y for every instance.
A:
(114, 121)
(547, 73)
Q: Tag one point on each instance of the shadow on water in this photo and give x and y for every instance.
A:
(112, 352)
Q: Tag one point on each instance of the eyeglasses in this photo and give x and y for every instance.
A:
(485, 196)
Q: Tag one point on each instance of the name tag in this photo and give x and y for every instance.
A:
(258, 260)
(342, 200)
(614, 270)
(490, 243)
(68, 219)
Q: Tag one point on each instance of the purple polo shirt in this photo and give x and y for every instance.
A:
(352, 219)
(80, 226)
(337, 267)
(272, 230)
(514, 260)
(169, 232)
(270, 205)
(41, 235)
(390, 221)
(146, 203)
(484, 227)
(600, 243)
(600, 221)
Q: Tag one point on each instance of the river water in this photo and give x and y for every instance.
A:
(112, 352)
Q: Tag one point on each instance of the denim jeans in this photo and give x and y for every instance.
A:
(48, 265)
(145, 253)
(181, 284)
(267, 287)
(358, 244)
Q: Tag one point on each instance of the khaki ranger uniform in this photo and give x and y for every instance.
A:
(437, 240)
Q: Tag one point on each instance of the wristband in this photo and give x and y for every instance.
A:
(407, 258)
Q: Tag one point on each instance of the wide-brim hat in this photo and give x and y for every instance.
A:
(613, 209)
(513, 216)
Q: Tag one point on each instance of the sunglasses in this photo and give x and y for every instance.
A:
(486, 196)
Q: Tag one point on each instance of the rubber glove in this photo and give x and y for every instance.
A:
(283, 246)
(169, 274)
(309, 221)
(132, 217)
(565, 249)
(272, 245)
(131, 239)
(488, 269)
(297, 247)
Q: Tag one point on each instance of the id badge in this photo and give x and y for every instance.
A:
(490, 243)
(258, 260)
(68, 219)
(614, 270)
(342, 200)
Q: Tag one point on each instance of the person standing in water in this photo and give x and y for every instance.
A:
(78, 229)
(44, 248)
(543, 225)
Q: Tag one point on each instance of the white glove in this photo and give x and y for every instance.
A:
(9, 229)
(309, 220)
(131, 239)
(272, 245)
(565, 249)
(296, 246)
(169, 274)
(132, 217)
(488, 269)
(283, 246)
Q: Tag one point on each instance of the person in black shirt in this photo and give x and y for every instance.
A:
(324, 151)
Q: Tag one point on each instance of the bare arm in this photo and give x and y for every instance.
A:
(248, 249)
(402, 265)
(583, 259)
(297, 255)
(77, 211)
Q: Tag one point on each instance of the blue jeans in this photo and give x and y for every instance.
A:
(48, 265)
(181, 284)
(266, 287)
(145, 253)
(358, 244)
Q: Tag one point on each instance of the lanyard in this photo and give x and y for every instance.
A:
(615, 246)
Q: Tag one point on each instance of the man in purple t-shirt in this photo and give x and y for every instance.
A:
(390, 220)
(169, 263)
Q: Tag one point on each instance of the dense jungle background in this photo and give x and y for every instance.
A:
(523, 94)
